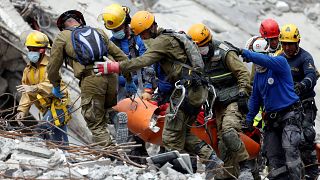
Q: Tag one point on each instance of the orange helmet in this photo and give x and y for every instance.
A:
(141, 21)
(200, 34)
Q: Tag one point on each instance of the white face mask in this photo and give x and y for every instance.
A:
(204, 50)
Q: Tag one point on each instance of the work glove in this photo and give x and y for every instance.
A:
(299, 88)
(249, 126)
(107, 67)
(238, 50)
(56, 92)
(20, 116)
(131, 88)
(243, 102)
(26, 88)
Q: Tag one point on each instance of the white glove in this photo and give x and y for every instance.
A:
(26, 88)
(20, 116)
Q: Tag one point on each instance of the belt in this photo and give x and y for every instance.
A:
(293, 107)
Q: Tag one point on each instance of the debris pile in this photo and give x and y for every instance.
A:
(33, 158)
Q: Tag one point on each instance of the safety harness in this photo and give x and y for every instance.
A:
(55, 104)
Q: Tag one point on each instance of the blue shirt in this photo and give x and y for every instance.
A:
(124, 44)
(273, 88)
(303, 70)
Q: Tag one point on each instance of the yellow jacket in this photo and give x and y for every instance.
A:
(42, 97)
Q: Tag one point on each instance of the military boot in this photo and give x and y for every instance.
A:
(245, 171)
(214, 166)
(121, 126)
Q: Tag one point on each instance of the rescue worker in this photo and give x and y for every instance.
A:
(304, 76)
(230, 77)
(98, 93)
(116, 18)
(273, 88)
(36, 89)
(269, 30)
(172, 57)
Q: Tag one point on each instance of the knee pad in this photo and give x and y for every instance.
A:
(231, 140)
(309, 134)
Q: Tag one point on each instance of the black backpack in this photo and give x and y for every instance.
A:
(88, 44)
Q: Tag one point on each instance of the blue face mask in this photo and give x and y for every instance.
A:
(119, 34)
(33, 56)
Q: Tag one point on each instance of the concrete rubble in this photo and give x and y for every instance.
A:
(29, 158)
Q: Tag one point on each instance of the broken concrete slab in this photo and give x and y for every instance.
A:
(100, 162)
(35, 151)
(98, 172)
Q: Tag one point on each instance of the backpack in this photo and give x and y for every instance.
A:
(88, 44)
(191, 49)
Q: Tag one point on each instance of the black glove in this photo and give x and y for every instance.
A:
(243, 102)
(299, 88)
(249, 126)
(238, 50)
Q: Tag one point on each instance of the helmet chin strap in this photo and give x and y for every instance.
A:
(272, 50)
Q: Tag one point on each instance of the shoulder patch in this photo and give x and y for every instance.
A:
(224, 47)
(310, 66)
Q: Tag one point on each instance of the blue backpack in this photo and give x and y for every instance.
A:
(88, 44)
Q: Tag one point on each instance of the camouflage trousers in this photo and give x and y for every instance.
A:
(98, 94)
(232, 149)
(176, 133)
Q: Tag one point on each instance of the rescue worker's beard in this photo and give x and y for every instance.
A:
(153, 33)
(260, 69)
(294, 54)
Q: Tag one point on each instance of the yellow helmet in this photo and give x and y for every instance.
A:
(200, 34)
(141, 21)
(289, 33)
(113, 16)
(37, 39)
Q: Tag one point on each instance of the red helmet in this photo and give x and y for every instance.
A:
(269, 28)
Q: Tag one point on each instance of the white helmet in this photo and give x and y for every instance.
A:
(260, 45)
(250, 42)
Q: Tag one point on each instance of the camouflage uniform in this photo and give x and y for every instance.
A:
(176, 134)
(98, 93)
(229, 76)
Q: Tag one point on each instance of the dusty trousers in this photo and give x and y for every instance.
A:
(232, 149)
(307, 146)
(282, 137)
(176, 133)
(98, 94)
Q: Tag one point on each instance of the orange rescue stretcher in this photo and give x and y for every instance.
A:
(145, 121)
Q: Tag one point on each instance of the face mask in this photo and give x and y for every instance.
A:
(119, 34)
(204, 50)
(33, 56)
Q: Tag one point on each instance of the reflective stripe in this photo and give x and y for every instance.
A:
(222, 75)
